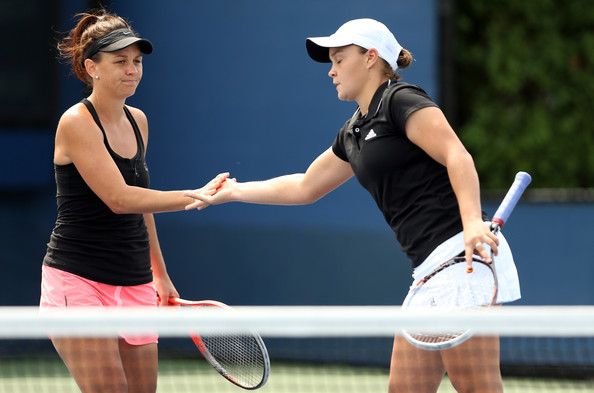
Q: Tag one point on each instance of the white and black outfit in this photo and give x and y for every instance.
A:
(412, 190)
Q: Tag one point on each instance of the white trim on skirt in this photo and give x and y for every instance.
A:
(505, 268)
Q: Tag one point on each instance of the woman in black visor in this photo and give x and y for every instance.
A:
(104, 250)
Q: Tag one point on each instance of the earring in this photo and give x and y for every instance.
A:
(96, 76)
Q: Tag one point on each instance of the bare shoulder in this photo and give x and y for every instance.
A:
(76, 132)
(75, 119)
(139, 116)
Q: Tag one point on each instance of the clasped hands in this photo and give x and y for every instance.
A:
(204, 196)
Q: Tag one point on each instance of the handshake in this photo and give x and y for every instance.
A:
(213, 193)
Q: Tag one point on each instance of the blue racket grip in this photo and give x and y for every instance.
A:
(512, 197)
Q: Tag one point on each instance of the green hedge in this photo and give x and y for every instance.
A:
(525, 88)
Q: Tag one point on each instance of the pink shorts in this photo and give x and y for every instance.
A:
(63, 289)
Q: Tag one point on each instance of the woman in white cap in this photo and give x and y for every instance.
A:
(403, 151)
(104, 250)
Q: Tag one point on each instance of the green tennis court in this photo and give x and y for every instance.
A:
(191, 375)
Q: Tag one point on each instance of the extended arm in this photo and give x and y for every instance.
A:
(325, 173)
(79, 141)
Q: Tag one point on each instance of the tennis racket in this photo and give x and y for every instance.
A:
(453, 287)
(241, 358)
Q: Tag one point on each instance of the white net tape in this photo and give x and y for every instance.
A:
(297, 321)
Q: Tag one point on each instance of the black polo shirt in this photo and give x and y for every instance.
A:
(412, 190)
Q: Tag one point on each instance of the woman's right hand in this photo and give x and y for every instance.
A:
(207, 196)
(212, 186)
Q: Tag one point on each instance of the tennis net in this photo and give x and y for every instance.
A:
(312, 349)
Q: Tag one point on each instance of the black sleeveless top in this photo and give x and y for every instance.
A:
(90, 240)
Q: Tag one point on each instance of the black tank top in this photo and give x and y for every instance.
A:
(90, 240)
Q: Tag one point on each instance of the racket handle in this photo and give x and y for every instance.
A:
(512, 197)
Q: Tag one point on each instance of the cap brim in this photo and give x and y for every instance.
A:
(318, 48)
(144, 45)
(317, 52)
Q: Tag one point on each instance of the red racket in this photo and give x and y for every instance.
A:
(241, 358)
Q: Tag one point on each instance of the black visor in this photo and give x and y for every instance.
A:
(116, 40)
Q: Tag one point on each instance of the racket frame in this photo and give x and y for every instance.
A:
(460, 338)
(203, 348)
(521, 182)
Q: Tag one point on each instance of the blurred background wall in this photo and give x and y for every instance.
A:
(230, 87)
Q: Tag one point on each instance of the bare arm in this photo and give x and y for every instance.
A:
(79, 141)
(429, 129)
(325, 174)
(163, 284)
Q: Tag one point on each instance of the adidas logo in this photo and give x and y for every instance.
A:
(371, 134)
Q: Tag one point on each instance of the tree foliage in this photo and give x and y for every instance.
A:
(526, 89)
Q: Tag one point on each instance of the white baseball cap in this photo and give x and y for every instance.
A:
(367, 33)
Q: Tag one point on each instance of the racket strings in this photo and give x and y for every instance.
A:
(451, 289)
(454, 289)
(435, 338)
(239, 356)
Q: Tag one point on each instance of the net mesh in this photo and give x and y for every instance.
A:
(311, 349)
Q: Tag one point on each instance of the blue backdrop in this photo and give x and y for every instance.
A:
(230, 87)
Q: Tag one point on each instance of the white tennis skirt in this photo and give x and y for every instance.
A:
(505, 268)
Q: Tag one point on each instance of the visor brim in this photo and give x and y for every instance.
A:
(144, 45)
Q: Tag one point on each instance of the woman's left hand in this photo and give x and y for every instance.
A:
(478, 235)
(165, 290)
